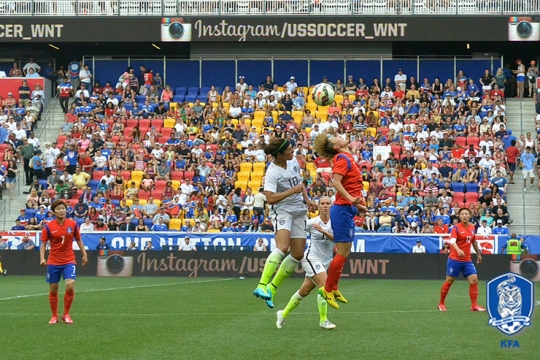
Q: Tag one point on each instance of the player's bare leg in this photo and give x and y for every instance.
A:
(444, 291)
(473, 293)
(68, 300)
(53, 302)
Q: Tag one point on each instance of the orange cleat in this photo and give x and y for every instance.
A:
(67, 319)
(442, 307)
(478, 308)
(54, 320)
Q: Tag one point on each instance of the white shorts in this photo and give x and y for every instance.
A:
(313, 266)
(294, 222)
(528, 174)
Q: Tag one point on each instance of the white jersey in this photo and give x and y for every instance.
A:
(279, 180)
(320, 248)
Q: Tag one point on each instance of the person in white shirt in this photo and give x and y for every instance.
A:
(100, 161)
(265, 93)
(317, 258)
(277, 94)
(86, 94)
(483, 229)
(187, 245)
(32, 139)
(157, 152)
(187, 187)
(400, 79)
(31, 65)
(86, 77)
(387, 91)
(260, 245)
(419, 248)
(107, 177)
(20, 134)
(50, 155)
(487, 163)
(241, 84)
(86, 226)
(291, 85)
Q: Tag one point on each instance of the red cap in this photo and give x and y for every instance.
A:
(518, 61)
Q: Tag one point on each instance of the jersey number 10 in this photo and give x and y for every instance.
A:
(293, 182)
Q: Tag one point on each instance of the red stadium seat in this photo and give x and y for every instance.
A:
(189, 174)
(144, 195)
(461, 141)
(97, 174)
(144, 123)
(160, 185)
(126, 174)
(177, 175)
(3, 147)
(396, 149)
(157, 123)
(166, 132)
(458, 197)
(132, 123)
(473, 140)
(471, 197)
(214, 148)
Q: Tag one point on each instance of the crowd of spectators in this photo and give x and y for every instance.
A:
(160, 165)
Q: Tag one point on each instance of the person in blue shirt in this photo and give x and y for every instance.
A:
(41, 215)
(499, 180)
(187, 226)
(472, 89)
(18, 226)
(147, 110)
(160, 226)
(231, 217)
(527, 161)
(507, 139)
(173, 140)
(500, 229)
(38, 165)
(72, 157)
(105, 151)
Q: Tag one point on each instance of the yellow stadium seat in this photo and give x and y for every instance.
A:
(176, 184)
(247, 122)
(352, 97)
(254, 185)
(338, 99)
(371, 131)
(257, 177)
(137, 175)
(311, 167)
(323, 115)
(323, 108)
(305, 90)
(241, 184)
(226, 106)
(142, 201)
(275, 115)
(297, 116)
(259, 167)
(157, 202)
(129, 202)
(243, 176)
(258, 123)
(311, 107)
(174, 106)
(280, 88)
(246, 167)
(175, 224)
(169, 123)
(213, 230)
(258, 115)
(234, 122)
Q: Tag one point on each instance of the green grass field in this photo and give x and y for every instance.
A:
(209, 318)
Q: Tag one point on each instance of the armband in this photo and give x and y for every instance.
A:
(452, 240)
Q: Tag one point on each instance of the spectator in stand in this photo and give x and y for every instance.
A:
(441, 228)
(187, 245)
(26, 243)
(446, 248)
(419, 248)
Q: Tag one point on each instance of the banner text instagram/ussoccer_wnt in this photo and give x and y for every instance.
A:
(300, 30)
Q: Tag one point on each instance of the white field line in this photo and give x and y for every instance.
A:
(118, 288)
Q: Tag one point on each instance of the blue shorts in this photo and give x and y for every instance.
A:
(520, 78)
(342, 217)
(454, 267)
(55, 272)
(512, 166)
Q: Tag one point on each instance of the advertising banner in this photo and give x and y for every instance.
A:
(246, 264)
(271, 29)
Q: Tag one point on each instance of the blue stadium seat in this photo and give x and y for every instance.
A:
(115, 202)
(219, 90)
(92, 105)
(202, 98)
(93, 184)
(180, 91)
(79, 221)
(43, 183)
(128, 106)
(458, 187)
(179, 98)
(31, 213)
(118, 97)
(191, 98)
(148, 222)
(193, 91)
(140, 98)
(204, 91)
(472, 187)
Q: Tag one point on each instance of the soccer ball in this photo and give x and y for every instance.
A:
(323, 94)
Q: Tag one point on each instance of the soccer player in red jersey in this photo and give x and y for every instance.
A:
(347, 180)
(60, 234)
(459, 261)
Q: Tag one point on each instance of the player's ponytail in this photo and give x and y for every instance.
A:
(324, 146)
(277, 146)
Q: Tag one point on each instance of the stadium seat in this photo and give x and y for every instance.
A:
(472, 187)
(180, 91)
(94, 185)
(175, 184)
(461, 141)
(193, 91)
(471, 197)
(257, 177)
(177, 175)
(179, 98)
(97, 174)
(132, 123)
(191, 98)
(160, 185)
(126, 174)
(371, 131)
(175, 224)
(169, 123)
(241, 184)
(473, 140)
(140, 99)
(189, 174)
(243, 176)
(458, 197)
(458, 187)
(137, 175)
(246, 167)
(259, 167)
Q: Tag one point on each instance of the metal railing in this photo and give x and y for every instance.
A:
(265, 7)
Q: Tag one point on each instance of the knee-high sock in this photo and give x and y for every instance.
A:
(68, 300)
(473, 293)
(293, 303)
(444, 291)
(334, 272)
(288, 265)
(271, 265)
(323, 307)
(53, 302)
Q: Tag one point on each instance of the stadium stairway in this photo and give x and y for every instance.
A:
(524, 207)
(47, 130)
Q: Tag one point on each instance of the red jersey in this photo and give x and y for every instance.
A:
(352, 177)
(148, 78)
(512, 154)
(464, 237)
(61, 239)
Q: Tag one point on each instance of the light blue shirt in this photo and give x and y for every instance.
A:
(527, 159)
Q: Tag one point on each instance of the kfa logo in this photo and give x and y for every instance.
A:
(510, 302)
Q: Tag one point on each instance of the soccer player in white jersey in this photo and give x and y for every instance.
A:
(315, 262)
(289, 205)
